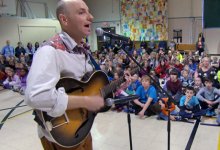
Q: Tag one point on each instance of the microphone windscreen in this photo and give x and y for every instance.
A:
(99, 31)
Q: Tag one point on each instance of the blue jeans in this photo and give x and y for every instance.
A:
(164, 117)
(184, 114)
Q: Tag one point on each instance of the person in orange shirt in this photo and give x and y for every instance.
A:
(164, 110)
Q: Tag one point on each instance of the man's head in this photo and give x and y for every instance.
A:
(7, 42)
(19, 44)
(75, 18)
(206, 62)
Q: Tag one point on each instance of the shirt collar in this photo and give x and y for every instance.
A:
(68, 41)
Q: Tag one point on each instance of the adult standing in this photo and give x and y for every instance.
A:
(59, 57)
(8, 50)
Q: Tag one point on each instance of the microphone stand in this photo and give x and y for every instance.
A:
(165, 93)
(168, 129)
(129, 125)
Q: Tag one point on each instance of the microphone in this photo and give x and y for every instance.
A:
(111, 101)
(101, 32)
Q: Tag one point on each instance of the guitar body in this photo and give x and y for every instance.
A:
(73, 127)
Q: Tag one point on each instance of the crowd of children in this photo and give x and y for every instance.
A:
(14, 66)
(191, 80)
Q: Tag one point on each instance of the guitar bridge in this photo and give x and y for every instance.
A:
(51, 125)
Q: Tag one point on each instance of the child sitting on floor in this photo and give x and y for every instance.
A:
(12, 81)
(189, 105)
(147, 104)
(209, 97)
(163, 102)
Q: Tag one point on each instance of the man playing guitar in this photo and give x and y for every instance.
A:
(62, 56)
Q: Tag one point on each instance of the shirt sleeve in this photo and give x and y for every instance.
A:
(196, 101)
(3, 51)
(217, 92)
(138, 91)
(6, 81)
(152, 93)
(199, 95)
(182, 101)
(41, 81)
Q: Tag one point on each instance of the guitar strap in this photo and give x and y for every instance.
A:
(37, 119)
(97, 67)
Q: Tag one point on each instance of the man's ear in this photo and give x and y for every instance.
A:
(63, 19)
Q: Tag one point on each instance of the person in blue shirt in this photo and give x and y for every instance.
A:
(189, 105)
(8, 50)
(192, 65)
(147, 104)
(135, 83)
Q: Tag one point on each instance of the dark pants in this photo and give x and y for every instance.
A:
(200, 113)
(153, 109)
(204, 105)
(201, 50)
(85, 145)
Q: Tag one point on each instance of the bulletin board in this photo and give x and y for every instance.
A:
(144, 20)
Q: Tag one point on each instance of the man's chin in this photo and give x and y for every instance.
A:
(87, 32)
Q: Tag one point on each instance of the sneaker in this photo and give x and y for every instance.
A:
(119, 109)
(130, 110)
(208, 113)
(213, 113)
(158, 118)
(184, 119)
(178, 118)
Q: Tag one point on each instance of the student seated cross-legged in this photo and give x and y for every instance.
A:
(209, 97)
(189, 105)
(147, 104)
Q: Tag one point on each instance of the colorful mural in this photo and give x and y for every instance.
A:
(143, 20)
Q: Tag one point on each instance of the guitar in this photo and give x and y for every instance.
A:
(73, 127)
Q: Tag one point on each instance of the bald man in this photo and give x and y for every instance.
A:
(60, 57)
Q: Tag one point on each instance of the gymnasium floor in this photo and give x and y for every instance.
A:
(110, 130)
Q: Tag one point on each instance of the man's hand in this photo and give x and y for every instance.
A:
(94, 103)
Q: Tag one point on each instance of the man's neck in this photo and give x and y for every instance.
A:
(76, 38)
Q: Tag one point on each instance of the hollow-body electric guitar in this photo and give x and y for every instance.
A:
(73, 127)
